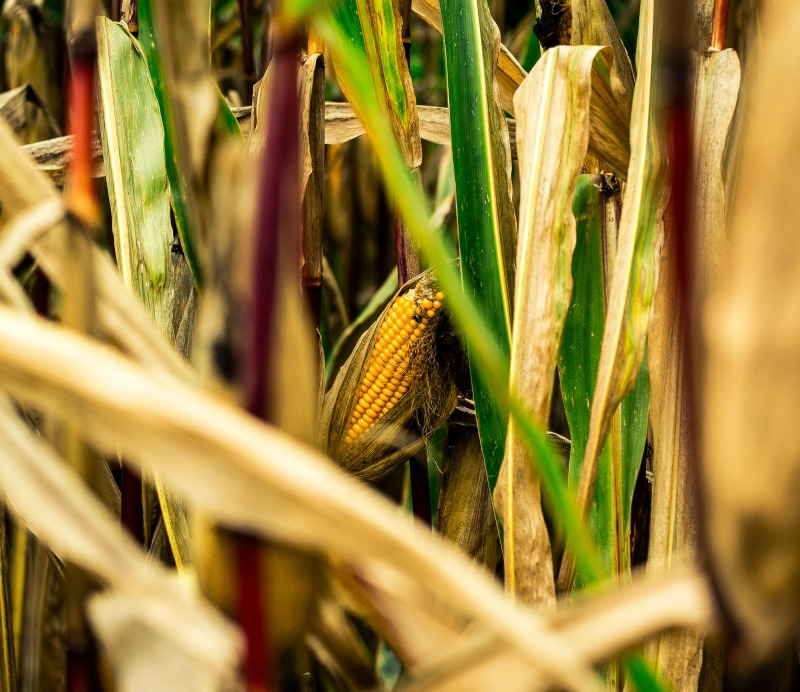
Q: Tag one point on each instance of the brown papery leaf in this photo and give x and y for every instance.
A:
(553, 105)
(600, 627)
(751, 442)
(673, 523)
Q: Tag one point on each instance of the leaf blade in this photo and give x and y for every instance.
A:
(485, 232)
(634, 278)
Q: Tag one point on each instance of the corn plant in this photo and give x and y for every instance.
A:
(398, 344)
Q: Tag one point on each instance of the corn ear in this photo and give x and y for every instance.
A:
(393, 391)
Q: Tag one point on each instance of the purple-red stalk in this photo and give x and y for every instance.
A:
(276, 249)
(81, 191)
(683, 241)
(81, 200)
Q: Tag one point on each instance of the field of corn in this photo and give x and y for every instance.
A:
(399, 345)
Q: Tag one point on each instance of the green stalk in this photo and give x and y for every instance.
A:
(487, 227)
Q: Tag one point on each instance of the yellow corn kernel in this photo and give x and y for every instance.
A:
(388, 375)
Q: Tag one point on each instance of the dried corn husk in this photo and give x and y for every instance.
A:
(401, 432)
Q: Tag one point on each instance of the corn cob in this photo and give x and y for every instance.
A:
(390, 370)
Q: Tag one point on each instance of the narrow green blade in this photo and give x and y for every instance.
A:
(633, 282)
(136, 175)
(381, 26)
(620, 458)
(486, 228)
(177, 186)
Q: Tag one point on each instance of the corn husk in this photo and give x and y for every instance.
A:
(402, 431)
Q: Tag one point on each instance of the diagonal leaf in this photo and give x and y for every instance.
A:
(619, 461)
(228, 464)
(553, 106)
(634, 278)
(481, 161)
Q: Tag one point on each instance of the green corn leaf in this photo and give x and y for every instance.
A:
(381, 26)
(177, 185)
(633, 281)
(136, 174)
(619, 462)
(133, 154)
(345, 14)
(481, 160)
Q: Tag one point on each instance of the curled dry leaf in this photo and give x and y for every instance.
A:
(553, 106)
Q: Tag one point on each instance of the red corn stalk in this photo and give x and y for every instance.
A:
(277, 249)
